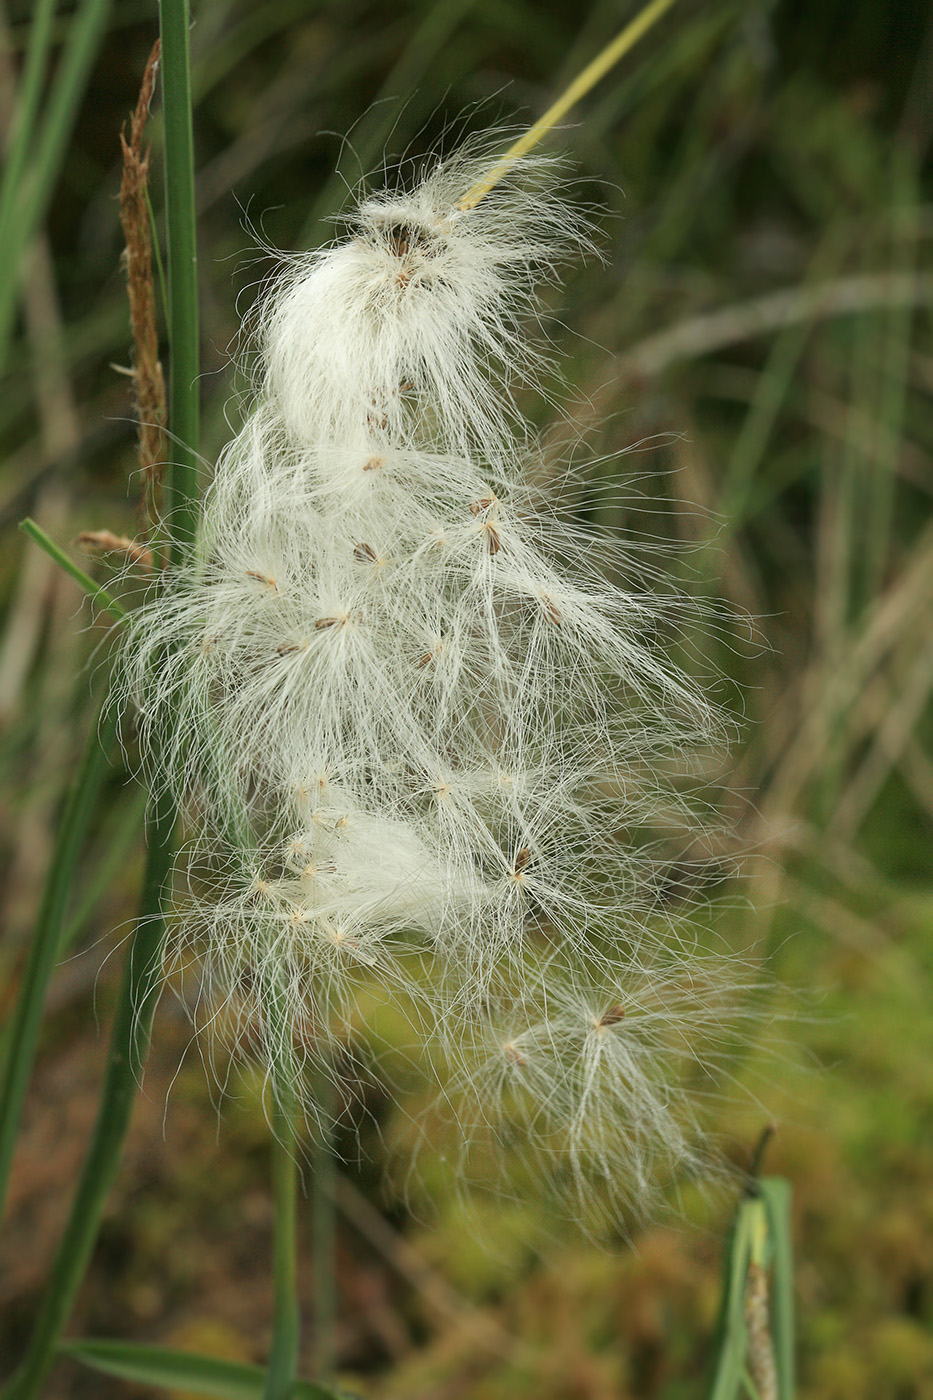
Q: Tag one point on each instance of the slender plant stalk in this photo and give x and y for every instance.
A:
(93, 590)
(46, 941)
(181, 512)
(181, 221)
(129, 1043)
(283, 1354)
(32, 182)
(593, 73)
(323, 1239)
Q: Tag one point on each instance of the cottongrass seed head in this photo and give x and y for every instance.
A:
(420, 737)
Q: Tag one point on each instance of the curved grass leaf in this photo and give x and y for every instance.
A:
(185, 1370)
(46, 943)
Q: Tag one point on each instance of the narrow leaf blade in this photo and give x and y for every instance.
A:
(172, 1369)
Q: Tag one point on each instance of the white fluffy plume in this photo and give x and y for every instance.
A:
(417, 730)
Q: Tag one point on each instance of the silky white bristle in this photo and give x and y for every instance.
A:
(421, 737)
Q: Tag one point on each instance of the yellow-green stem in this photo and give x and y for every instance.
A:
(593, 73)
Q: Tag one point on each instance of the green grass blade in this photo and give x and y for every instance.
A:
(733, 1333)
(184, 1370)
(181, 227)
(774, 387)
(776, 1194)
(26, 112)
(129, 1043)
(46, 943)
(92, 589)
(761, 1233)
(29, 197)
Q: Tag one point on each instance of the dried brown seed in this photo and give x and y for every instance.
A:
(365, 554)
(514, 1055)
(477, 507)
(551, 611)
(313, 868)
(263, 578)
(402, 238)
(521, 860)
(431, 655)
(612, 1017)
(373, 464)
(492, 538)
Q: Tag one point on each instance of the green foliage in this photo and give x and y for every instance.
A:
(181, 1370)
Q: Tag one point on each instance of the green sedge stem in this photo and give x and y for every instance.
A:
(25, 115)
(323, 1224)
(129, 1043)
(47, 940)
(181, 230)
(283, 1355)
(94, 590)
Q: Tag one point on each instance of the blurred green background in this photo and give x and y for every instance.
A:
(761, 334)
